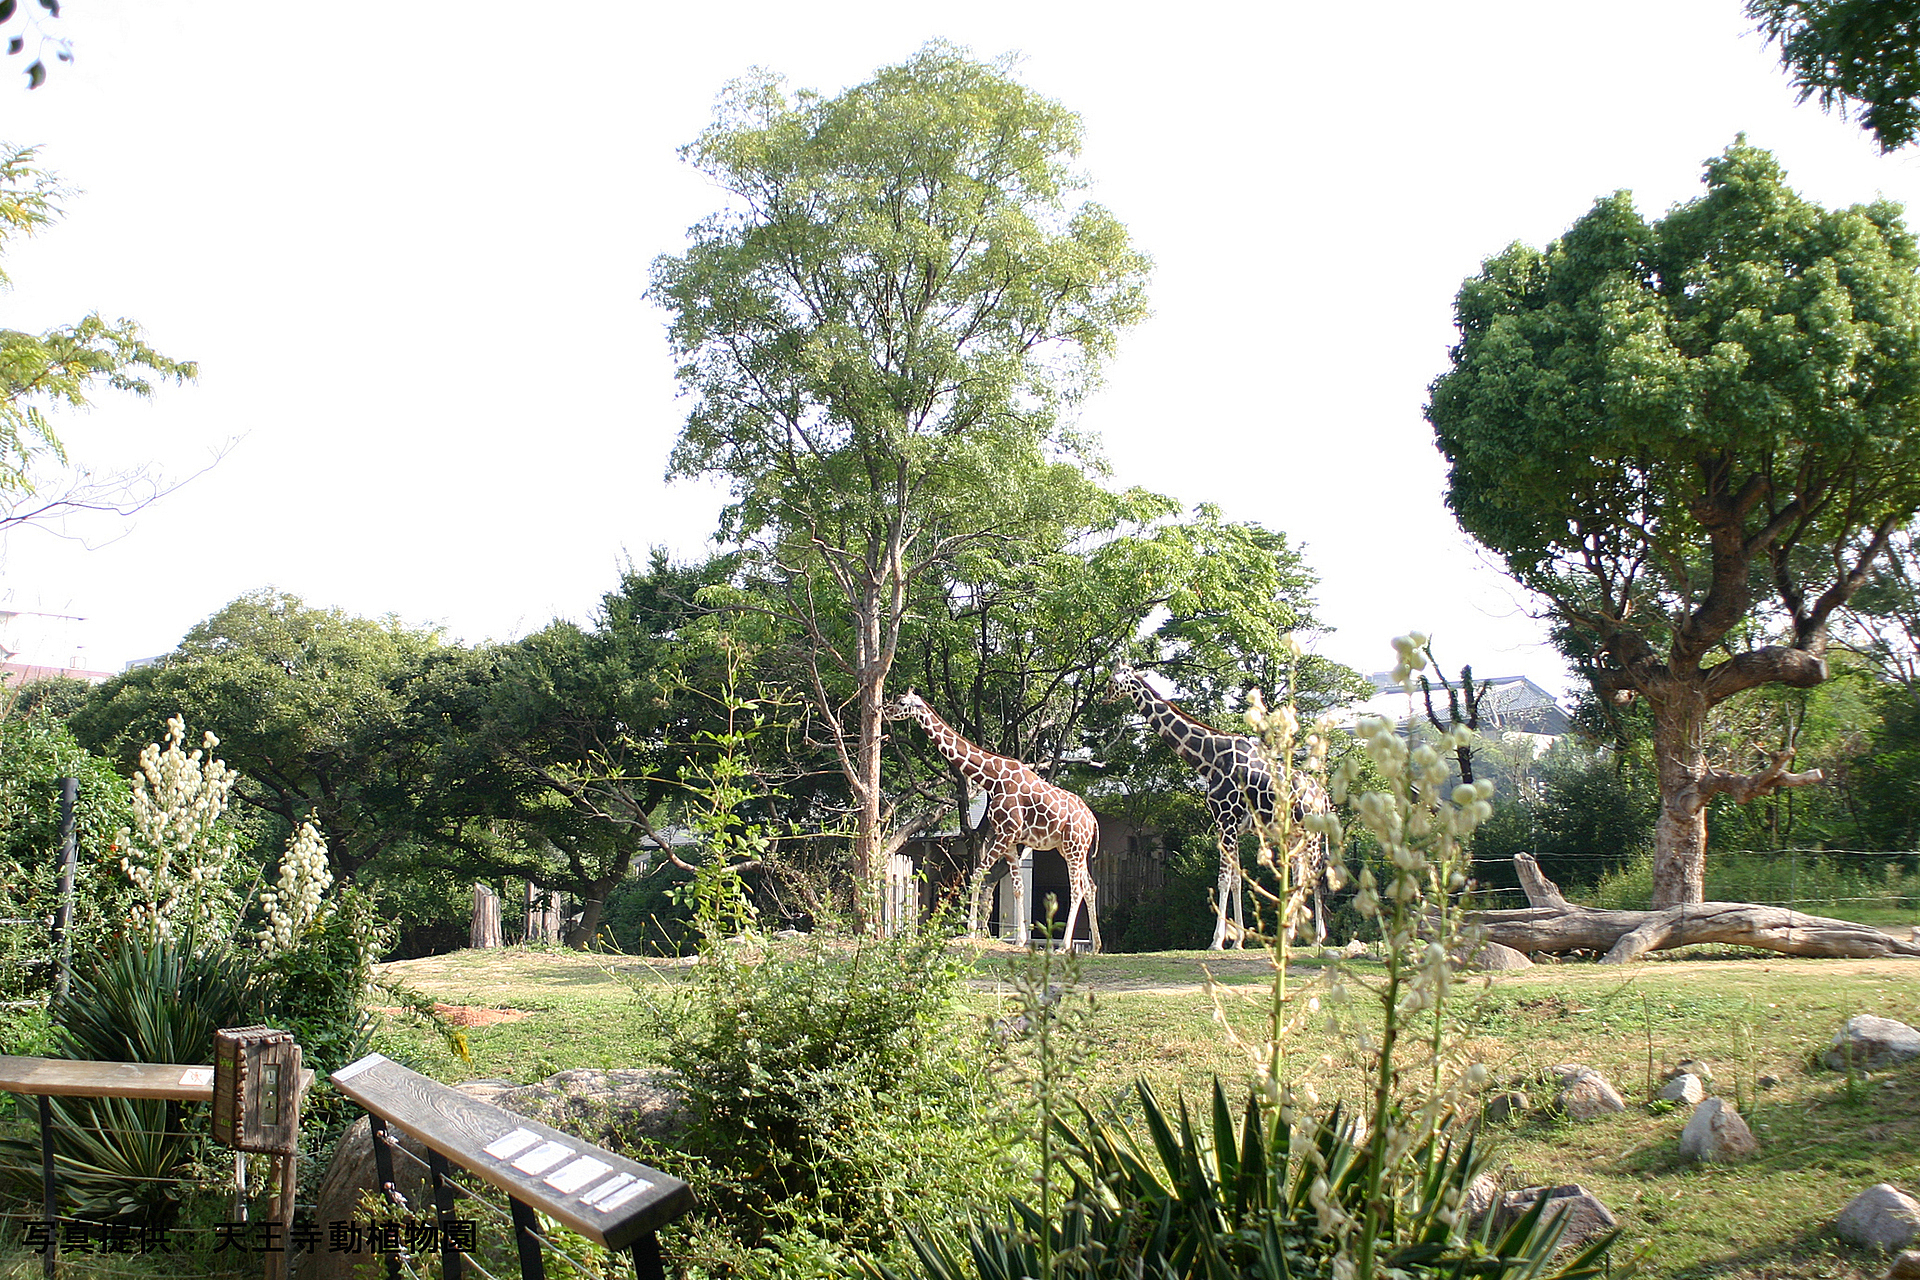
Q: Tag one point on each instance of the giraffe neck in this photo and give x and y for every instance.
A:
(969, 759)
(1181, 731)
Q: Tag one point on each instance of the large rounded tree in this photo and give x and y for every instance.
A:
(1692, 437)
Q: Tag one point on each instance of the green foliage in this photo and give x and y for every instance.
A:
(1859, 53)
(60, 366)
(35, 753)
(825, 1078)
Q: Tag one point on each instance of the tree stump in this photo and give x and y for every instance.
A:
(1553, 925)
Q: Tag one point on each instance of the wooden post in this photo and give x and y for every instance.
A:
(63, 918)
(486, 918)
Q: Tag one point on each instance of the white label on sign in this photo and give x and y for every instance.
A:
(543, 1157)
(570, 1178)
(608, 1203)
(606, 1189)
(353, 1069)
(197, 1075)
(512, 1144)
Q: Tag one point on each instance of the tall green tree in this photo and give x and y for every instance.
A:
(1692, 437)
(58, 368)
(880, 335)
(1859, 53)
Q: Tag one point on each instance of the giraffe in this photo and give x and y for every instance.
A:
(1022, 809)
(1240, 792)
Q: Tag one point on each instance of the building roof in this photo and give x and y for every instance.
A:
(1511, 704)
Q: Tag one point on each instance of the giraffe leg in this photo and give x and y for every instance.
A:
(1224, 888)
(1022, 913)
(1239, 906)
(977, 914)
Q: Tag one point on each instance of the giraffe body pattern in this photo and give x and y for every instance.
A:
(1022, 809)
(1240, 793)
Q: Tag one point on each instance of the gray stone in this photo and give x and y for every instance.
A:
(1881, 1217)
(1716, 1134)
(1685, 1087)
(1584, 1093)
(1694, 1067)
(1507, 1105)
(1767, 1082)
(1906, 1266)
(1482, 1194)
(1582, 1211)
(1873, 1042)
(604, 1107)
(1493, 956)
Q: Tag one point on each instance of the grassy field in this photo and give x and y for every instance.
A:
(1822, 1138)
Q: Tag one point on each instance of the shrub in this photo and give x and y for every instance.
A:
(827, 1079)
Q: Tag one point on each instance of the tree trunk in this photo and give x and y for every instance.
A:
(1680, 760)
(1554, 925)
(486, 918)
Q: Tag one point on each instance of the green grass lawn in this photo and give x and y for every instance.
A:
(1822, 1141)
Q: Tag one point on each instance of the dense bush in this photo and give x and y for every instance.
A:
(1840, 884)
(832, 1083)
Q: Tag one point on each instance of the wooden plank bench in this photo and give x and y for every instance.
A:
(68, 1078)
(609, 1199)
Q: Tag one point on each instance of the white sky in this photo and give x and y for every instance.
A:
(408, 242)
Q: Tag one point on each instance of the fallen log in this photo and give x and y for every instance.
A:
(1554, 925)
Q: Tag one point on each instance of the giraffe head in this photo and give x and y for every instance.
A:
(906, 706)
(1123, 682)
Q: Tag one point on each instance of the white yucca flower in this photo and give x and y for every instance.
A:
(175, 855)
(298, 899)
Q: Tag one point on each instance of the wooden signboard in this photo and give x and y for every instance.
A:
(256, 1090)
(607, 1198)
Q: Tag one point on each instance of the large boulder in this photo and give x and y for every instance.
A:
(607, 1108)
(1905, 1267)
(1490, 956)
(1582, 1211)
(1872, 1043)
(1584, 1093)
(1881, 1217)
(1716, 1134)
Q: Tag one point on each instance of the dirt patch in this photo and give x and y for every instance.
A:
(468, 1015)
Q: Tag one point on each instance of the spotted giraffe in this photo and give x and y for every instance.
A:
(1022, 809)
(1240, 792)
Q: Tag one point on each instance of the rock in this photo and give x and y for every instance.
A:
(1881, 1217)
(1482, 1193)
(1767, 1082)
(789, 935)
(1906, 1266)
(1584, 1093)
(603, 1107)
(1874, 1043)
(1492, 956)
(1717, 1134)
(1685, 1087)
(1693, 1067)
(1504, 1106)
(1354, 949)
(1584, 1215)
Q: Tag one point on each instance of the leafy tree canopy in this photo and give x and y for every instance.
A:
(1863, 53)
(62, 365)
(307, 704)
(1674, 430)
